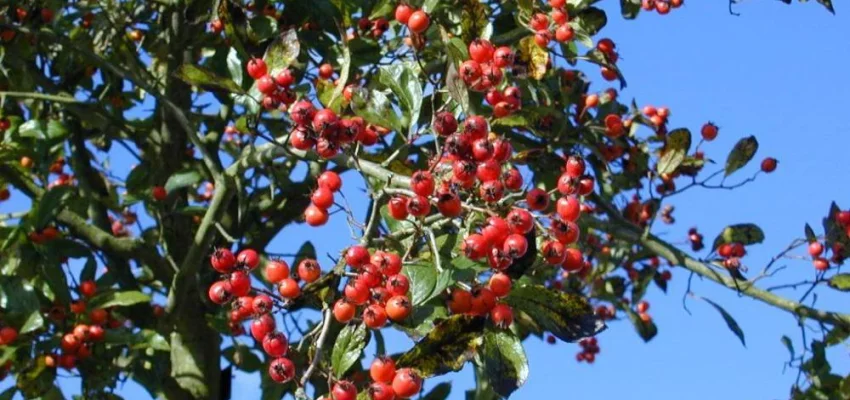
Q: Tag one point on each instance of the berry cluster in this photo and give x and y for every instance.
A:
(661, 6)
(276, 90)
(483, 70)
(316, 214)
(416, 20)
(731, 254)
(589, 350)
(389, 383)
(559, 28)
(326, 132)
(379, 286)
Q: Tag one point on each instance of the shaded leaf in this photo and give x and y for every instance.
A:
(446, 348)
(745, 234)
(810, 234)
(182, 179)
(118, 299)
(33, 322)
(840, 282)
(730, 322)
(676, 146)
(261, 28)
(348, 347)
(788, 345)
(51, 203)
(646, 330)
(423, 279)
(243, 358)
(534, 57)
(473, 19)
(591, 20)
(629, 8)
(567, 316)
(375, 107)
(403, 80)
(741, 154)
(423, 319)
(282, 51)
(504, 362)
(204, 78)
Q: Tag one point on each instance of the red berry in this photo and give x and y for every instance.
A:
(88, 288)
(537, 199)
(289, 288)
(564, 33)
(419, 206)
(474, 246)
(220, 292)
(554, 252)
(374, 316)
(357, 256)
(398, 308)
(330, 180)
(159, 193)
(481, 50)
(309, 270)
(488, 171)
(276, 271)
(8, 335)
(275, 344)
(322, 197)
(569, 208)
(573, 260)
(344, 311)
(821, 264)
(445, 123)
(326, 71)
(398, 285)
(503, 57)
(315, 216)
(476, 127)
(240, 283)
(422, 183)
(418, 21)
(266, 85)
(843, 217)
(502, 315)
(356, 292)
(520, 221)
(302, 113)
(381, 391)
(768, 165)
(344, 390)
(257, 68)
(500, 284)
(539, 22)
(262, 304)
(403, 12)
(397, 206)
(248, 258)
(325, 123)
(406, 383)
(262, 326)
(575, 167)
(284, 78)
(460, 301)
(281, 370)
(513, 179)
(515, 245)
(815, 249)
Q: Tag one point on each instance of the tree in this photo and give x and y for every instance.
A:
(507, 199)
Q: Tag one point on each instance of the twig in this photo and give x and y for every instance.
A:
(320, 342)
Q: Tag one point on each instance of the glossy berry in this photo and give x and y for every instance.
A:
(281, 370)
(88, 288)
(159, 193)
(398, 308)
(537, 199)
(460, 301)
(309, 270)
(330, 180)
(374, 316)
(344, 311)
(322, 197)
(481, 50)
(815, 249)
(397, 207)
(382, 370)
(502, 315)
(403, 13)
(256, 68)
(289, 288)
(356, 292)
(503, 57)
(419, 206)
(445, 123)
(520, 221)
(357, 256)
(248, 258)
(276, 271)
(8, 335)
(261, 304)
(262, 326)
(422, 183)
(220, 292)
(768, 165)
(406, 383)
(554, 252)
(240, 283)
(500, 284)
(568, 208)
(381, 391)
(275, 344)
(315, 216)
(515, 245)
(474, 246)
(418, 21)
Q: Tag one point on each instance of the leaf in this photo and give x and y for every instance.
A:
(535, 57)
(676, 146)
(646, 330)
(261, 28)
(446, 348)
(182, 179)
(56, 280)
(143, 339)
(591, 20)
(234, 66)
(118, 299)
(33, 322)
(56, 130)
(567, 316)
(454, 83)
(243, 358)
(375, 107)
(384, 8)
(630, 8)
(205, 78)
(745, 234)
(34, 128)
(423, 319)
(348, 347)
(51, 203)
(19, 301)
(282, 52)
(504, 362)
(473, 19)
(788, 345)
(403, 80)
(423, 279)
(439, 392)
(810, 234)
(138, 178)
(741, 154)
(840, 282)
(730, 322)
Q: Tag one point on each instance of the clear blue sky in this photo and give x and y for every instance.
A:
(778, 72)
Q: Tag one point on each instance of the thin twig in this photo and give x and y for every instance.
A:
(320, 342)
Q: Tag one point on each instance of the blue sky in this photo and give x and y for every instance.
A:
(777, 72)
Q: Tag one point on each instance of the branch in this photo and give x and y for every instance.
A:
(326, 327)
(40, 96)
(624, 230)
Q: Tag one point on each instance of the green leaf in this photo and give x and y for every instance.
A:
(348, 347)
(118, 299)
(33, 322)
(745, 234)
(788, 345)
(567, 316)
(243, 358)
(454, 82)
(19, 301)
(810, 234)
(741, 154)
(56, 280)
(35, 379)
(534, 57)
(646, 330)
(840, 282)
(676, 145)
(504, 362)
(143, 339)
(384, 8)
(439, 392)
(423, 280)
(182, 179)
(51, 204)
(204, 78)
(234, 66)
(630, 8)
(138, 178)
(446, 348)
(423, 319)
(56, 130)
(375, 107)
(730, 322)
(403, 80)
(261, 28)
(34, 128)
(591, 20)
(282, 52)
(474, 19)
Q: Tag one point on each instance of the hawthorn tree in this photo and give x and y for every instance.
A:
(507, 196)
